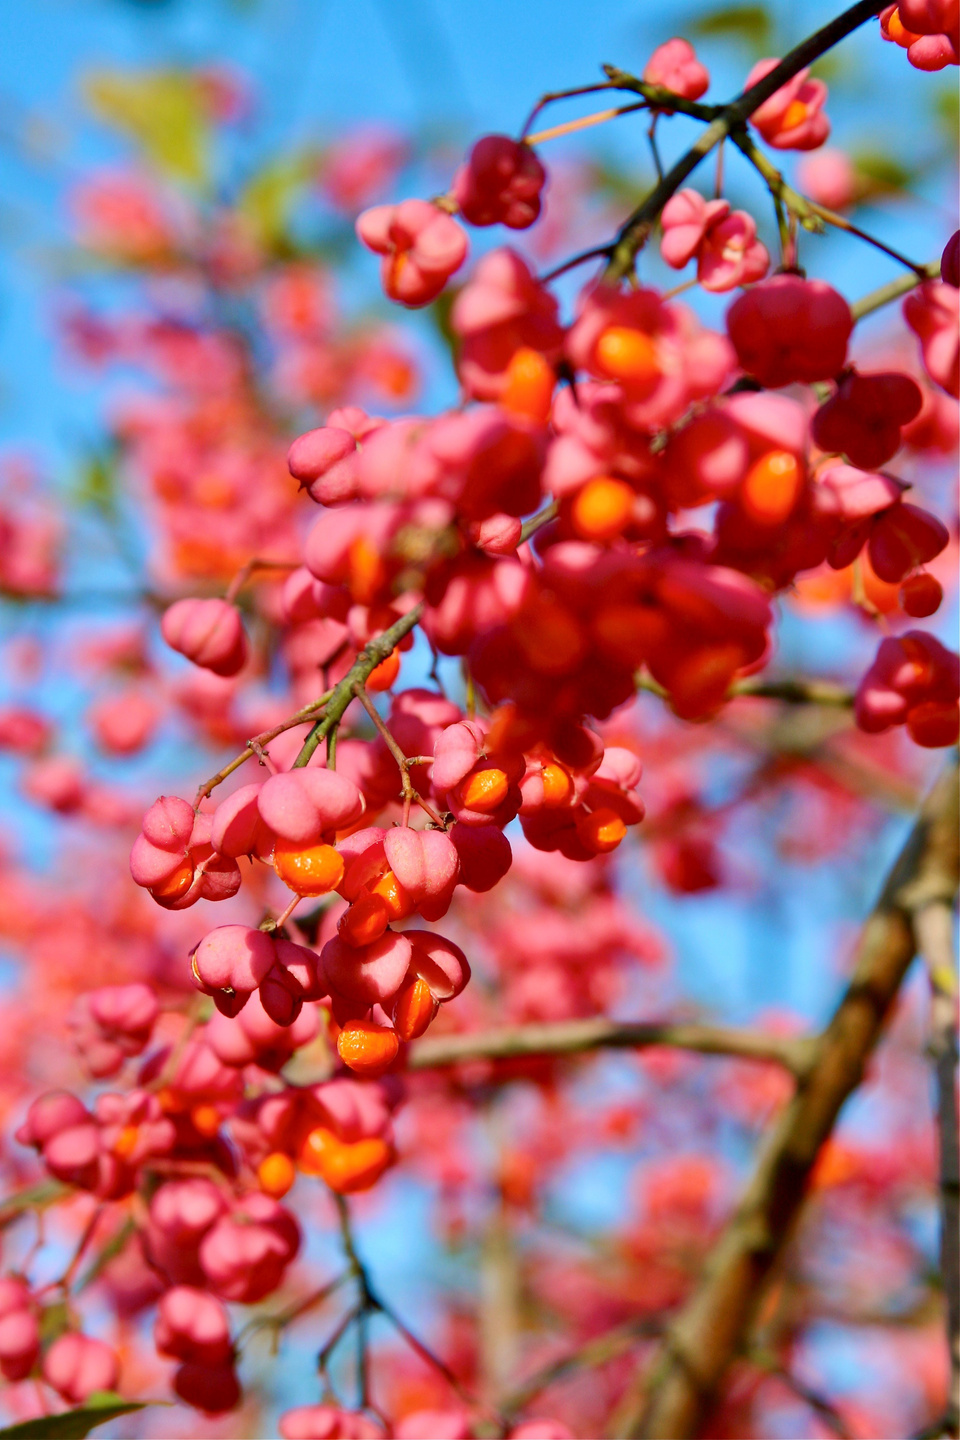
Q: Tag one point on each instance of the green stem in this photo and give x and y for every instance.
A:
(811, 215)
(373, 654)
(876, 299)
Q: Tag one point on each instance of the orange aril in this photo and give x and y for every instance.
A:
(276, 1174)
(314, 870)
(366, 1048)
(206, 1119)
(171, 1103)
(529, 385)
(391, 892)
(178, 883)
(881, 594)
(557, 785)
(395, 266)
(629, 355)
(366, 570)
(344, 1167)
(795, 114)
(365, 921)
(384, 674)
(601, 830)
(898, 32)
(414, 1009)
(771, 487)
(602, 509)
(485, 790)
(126, 1142)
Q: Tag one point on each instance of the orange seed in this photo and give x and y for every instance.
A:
(629, 355)
(314, 870)
(368, 1049)
(384, 674)
(391, 892)
(601, 831)
(557, 785)
(276, 1174)
(485, 790)
(365, 921)
(771, 487)
(602, 508)
(206, 1119)
(529, 387)
(414, 1009)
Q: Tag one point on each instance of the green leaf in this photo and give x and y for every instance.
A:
(946, 107)
(163, 111)
(440, 314)
(97, 484)
(750, 24)
(268, 199)
(74, 1424)
(882, 170)
(54, 1321)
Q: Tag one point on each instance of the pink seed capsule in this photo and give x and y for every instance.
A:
(77, 1365)
(369, 973)
(208, 632)
(300, 805)
(213, 1389)
(192, 1325)
(233, 957)
(19, 1343)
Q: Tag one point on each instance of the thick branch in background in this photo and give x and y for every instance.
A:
(713, 1326)
(572, 1037)
(934, 931)
(637, 228)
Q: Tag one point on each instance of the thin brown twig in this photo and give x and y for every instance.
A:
(370, 1300)
(591, 1354)
(823, 1407)
(808, 212)
(405, 763)
(636, 229)
(585, 122)
(307, 713)
(66, 1279)
(537, 521)
(598, 252)
(250, 568)
(279, 1322)
(552, 96)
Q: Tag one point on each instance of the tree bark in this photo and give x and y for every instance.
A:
(713, 1325)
